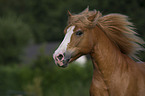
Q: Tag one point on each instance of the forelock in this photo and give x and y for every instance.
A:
(81, 19)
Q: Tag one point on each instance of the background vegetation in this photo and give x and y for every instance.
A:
(39, 21)
(45, 80)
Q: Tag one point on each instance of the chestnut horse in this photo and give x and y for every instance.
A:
(112, 43)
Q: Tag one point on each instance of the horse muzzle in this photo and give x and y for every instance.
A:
(62, 59)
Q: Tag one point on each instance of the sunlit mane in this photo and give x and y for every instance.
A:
(116, 26)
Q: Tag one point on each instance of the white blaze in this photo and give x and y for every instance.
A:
(63, 46)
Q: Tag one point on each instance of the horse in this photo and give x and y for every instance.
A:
(112, 44)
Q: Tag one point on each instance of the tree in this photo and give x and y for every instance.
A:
(14, 35)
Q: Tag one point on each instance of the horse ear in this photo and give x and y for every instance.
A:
(86, 10)
(69, 14)
(91, 18)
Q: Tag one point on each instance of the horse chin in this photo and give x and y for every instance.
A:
(66, 62)
(63, 63)
(67, 58)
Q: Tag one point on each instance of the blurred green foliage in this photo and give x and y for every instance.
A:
(47, 18)
(14, 35)
(46, 81)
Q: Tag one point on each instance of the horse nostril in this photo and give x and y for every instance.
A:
(60, 56)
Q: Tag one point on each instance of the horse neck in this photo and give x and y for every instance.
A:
(106, 56)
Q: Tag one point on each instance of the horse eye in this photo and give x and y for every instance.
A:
(79, 33)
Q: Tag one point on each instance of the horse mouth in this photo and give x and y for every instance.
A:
(63, 63)
(63, 59)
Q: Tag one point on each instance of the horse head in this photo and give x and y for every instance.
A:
(78, 38)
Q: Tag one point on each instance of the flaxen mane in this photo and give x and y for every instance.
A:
(116, 26)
